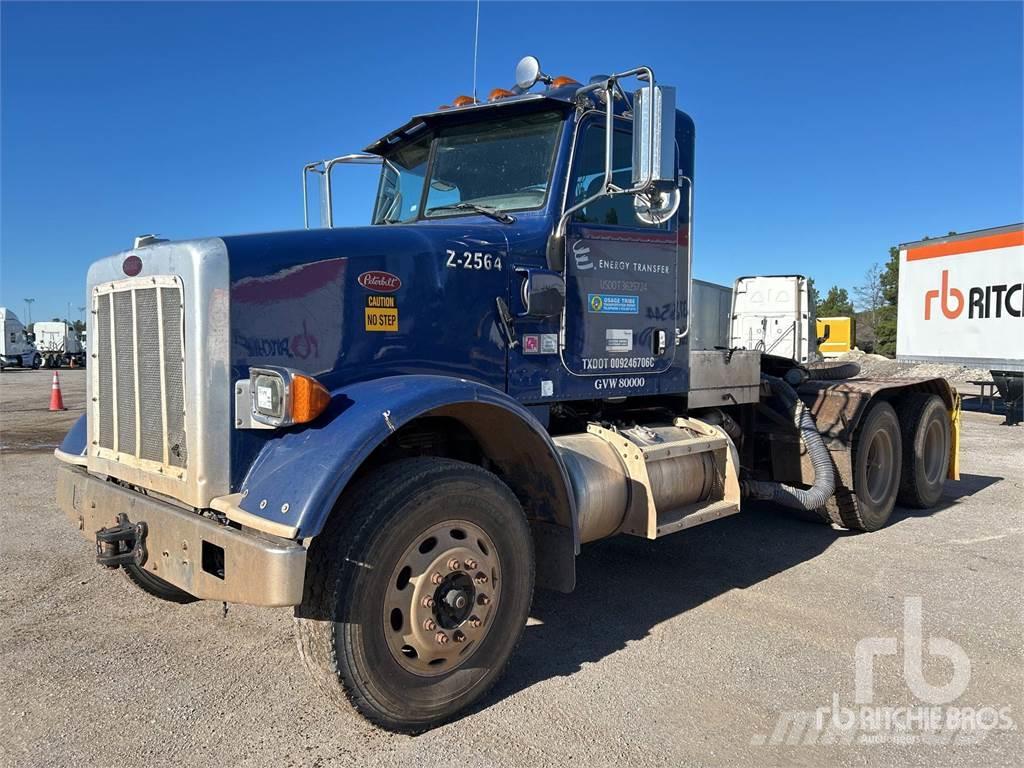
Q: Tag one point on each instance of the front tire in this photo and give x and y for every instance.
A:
(417, 591)
(156, 586)
(877, 459)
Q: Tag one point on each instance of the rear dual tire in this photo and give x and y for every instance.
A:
(877, 452)
(896, 459)
(927, 438)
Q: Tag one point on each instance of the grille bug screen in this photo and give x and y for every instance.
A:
(140, 372)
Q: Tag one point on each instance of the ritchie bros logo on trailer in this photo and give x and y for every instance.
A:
(962, 297)
(984, 301)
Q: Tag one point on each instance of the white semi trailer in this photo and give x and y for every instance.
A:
(961, 300)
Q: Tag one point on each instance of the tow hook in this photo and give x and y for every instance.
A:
(121, 544)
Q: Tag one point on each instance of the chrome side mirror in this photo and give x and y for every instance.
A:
(654, 137)
(543, 293)
(528, 73)
(656, 207)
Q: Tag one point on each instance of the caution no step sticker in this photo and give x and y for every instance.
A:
(381, 313)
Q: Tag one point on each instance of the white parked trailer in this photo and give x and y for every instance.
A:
(712, 305)
(961, 300)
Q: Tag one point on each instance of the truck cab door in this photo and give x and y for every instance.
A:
(625, 289)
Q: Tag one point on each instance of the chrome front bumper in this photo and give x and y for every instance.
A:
(182, 546)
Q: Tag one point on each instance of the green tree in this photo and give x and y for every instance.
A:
(885, 327)
(836, 304)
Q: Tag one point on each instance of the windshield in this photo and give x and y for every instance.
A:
(504, 165)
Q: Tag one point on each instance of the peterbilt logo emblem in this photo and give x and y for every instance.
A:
(380, 281)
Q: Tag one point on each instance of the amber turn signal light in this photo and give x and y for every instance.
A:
(309, 398)
(561, 80)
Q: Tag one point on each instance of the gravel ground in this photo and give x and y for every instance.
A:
(690, 650)
(879, 366)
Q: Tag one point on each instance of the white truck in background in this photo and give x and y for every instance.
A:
(59, 344)
(962, 302)
(16, 348)
(773, 314)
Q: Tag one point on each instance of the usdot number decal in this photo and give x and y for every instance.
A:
(472, 260)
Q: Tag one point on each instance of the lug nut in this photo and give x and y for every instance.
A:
(428, 602)
(441, 638)
(459, 637)
(429, 625)
(474, 622)
(453, 564)
(484, 600)
(436, 578)
(471, 564)
(480, 579)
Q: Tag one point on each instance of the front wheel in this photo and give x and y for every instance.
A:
(417, 592)
(156, 586)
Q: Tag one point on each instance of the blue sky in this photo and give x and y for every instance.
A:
(825, 132)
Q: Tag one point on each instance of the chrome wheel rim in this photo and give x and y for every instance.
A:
(441, 598)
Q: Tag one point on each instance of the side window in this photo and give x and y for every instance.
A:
(401, 183)
(616, 210)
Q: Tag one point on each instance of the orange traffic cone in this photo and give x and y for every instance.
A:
(56, 399)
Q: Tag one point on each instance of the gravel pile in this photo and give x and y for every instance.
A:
(879, 367)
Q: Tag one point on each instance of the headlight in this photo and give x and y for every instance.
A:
(281, 397)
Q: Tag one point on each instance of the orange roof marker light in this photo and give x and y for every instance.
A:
(500, 93)
(562, 80)
(463, 101)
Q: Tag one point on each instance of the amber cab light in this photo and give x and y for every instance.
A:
(561, 80)
(499, 93)
(463, 101)
(309, 398)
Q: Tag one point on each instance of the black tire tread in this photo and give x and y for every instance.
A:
(156, 586)
(912, 407)
(844, 508)
(363, 510)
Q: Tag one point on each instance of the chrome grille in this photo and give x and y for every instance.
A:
(105, 367)
(140, 378)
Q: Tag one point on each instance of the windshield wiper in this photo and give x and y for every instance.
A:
(493, 213)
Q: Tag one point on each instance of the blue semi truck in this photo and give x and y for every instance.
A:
(400, 429)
